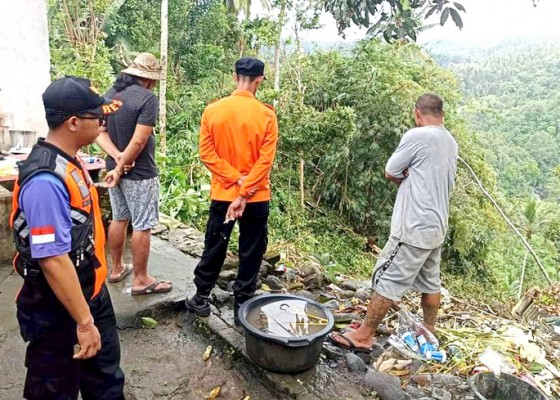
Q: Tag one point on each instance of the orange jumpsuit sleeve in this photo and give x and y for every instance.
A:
(220, 168)
(262, 167)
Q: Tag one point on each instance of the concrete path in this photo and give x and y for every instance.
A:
(166, 262)
(165, 363)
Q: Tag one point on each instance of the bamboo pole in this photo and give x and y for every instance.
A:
(508, 221)
(163, 81)
(301, 182)
(520, 292)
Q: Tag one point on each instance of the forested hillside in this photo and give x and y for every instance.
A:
(512, 94)
(341, 115)
(512, 103)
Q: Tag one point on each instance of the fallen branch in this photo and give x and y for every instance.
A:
(508, 221)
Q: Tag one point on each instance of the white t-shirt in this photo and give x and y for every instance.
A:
(421, 212)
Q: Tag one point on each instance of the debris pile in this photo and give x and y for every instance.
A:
(471, 337)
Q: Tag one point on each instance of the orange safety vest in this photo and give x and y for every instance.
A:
(88, 237)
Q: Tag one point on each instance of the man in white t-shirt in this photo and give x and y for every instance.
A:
(424, 166)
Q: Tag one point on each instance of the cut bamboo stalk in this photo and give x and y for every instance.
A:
(522, 277)
(526, 301)
(508, 221)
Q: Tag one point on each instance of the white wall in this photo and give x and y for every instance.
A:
(24, 64)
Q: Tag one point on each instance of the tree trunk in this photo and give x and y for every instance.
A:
(163, 81)
(301, 181)
(508, 222)
(281, 19)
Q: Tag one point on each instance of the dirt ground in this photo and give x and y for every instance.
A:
(164, 363)
(171, 365)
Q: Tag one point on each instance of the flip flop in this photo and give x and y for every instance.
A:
(349, 346)
(128, 268)
(151, 289)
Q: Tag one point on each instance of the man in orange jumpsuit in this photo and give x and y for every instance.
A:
(238, 137)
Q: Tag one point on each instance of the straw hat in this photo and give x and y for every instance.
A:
(145, 65)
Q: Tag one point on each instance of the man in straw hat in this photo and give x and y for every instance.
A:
(130, 136)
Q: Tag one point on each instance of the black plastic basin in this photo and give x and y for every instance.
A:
(489, 386)
(281, 348)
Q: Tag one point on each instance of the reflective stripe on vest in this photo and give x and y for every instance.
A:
(83, 200)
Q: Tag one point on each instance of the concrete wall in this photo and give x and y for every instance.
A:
(24, 66)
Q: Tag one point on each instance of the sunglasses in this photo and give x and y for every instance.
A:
(100, 118)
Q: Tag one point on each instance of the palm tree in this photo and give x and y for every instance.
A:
(532, 218)
(234, 6)
(532, 222)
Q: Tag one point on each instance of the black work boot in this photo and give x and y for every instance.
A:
(198, 304)
(236, 307)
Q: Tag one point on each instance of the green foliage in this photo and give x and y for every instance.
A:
(180, 198)
(77, 40)
(354, 112)
(137, 26)
(513, 103)
(88, 61)
(259, 33)
(394, 19)
(234, 6)
(184, 180)
(202, 36)
(203, 43)
(343, 113)
(149, 323)
(329, 266)
(294, 230)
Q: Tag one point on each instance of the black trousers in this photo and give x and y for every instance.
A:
(52, 373)
(253, 239)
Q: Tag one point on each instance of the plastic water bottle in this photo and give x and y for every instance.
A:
(438, 355)
(410, 340)
(425, 346)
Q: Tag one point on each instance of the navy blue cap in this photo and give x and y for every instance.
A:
(248, 66)
(74, 95)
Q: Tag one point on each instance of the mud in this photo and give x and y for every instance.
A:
(166, 363)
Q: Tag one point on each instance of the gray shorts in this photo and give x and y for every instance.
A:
(138, 201)
(401, 267)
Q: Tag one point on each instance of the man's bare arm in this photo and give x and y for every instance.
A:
(398, 181)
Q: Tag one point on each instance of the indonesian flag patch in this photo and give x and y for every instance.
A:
(42, 235)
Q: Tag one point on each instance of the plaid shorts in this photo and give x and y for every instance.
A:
(138, 201)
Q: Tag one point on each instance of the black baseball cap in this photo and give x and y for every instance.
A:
(72, 95)
(248, 66)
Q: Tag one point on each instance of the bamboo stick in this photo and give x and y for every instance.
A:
(508, 221)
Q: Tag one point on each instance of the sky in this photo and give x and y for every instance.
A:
(498, 19)
(484, 20)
